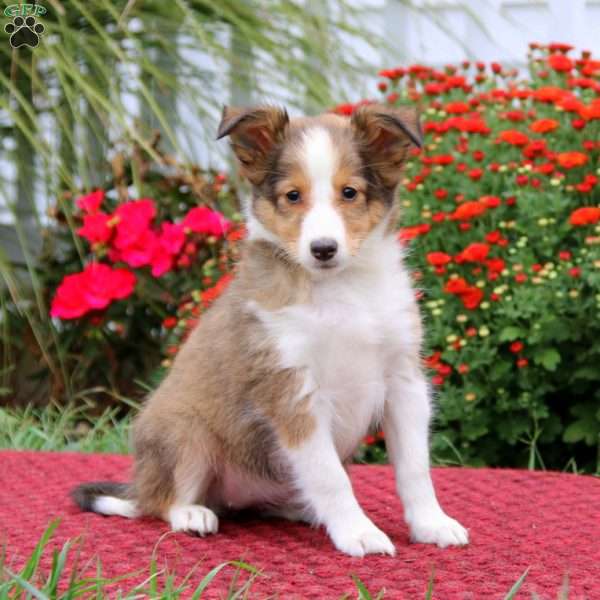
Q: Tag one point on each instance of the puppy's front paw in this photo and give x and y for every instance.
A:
(193, 518)
(439, 529)
(360, 538)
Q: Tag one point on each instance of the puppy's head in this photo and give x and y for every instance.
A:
(321, 185)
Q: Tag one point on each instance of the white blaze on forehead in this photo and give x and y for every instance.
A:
(320, 161)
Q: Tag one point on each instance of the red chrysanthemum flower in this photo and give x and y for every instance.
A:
(571, 160)
(491, 201)
(495, 265)
(457, 108)
(513, 137)
(516, 347)
(468, 210)
(544, 125)
(169, 322)
(472, 298)
(408, 233)
(493, 237)
(560, 62)
(438, 259)
(587, 215)
(475, 252)
(456, 286)
(535, 149)
(550, 93)
(591, 111)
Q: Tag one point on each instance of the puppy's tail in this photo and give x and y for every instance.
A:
(106, 498)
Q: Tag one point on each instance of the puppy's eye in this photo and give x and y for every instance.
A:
(349, 193)
(293, 196)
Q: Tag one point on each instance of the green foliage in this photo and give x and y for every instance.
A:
(77, 428)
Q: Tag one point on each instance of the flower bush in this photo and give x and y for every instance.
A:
(120, 266)
(501, 221)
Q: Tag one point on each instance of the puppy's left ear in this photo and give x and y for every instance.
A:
(385, 135)
(254, 133)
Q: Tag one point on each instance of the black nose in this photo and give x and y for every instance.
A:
(323, 249)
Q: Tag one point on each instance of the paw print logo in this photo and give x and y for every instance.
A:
(24, 32)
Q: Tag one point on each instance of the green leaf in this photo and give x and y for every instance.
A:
(575, 432)
(585, 373)
(548, 358)
(499, 370)
(586, 427)
(511, 333)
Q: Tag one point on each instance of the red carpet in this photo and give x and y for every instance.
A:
(548, 522)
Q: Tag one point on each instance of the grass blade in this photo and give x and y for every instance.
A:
(517, 586)
(206, 580)
(35, 592)
(36, 555)
(363, 592)
(429, 592)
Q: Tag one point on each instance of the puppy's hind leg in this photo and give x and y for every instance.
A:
(187, 512)
(172, 481)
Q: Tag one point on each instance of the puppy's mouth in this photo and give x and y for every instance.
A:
(326, 269)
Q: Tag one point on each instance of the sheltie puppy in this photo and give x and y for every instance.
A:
(316, 341)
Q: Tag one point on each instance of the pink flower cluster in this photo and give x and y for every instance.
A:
(92, 289)
(129, 235)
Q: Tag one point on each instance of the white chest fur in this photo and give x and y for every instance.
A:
(344, 341)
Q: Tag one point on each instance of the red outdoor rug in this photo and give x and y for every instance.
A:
(547, 522)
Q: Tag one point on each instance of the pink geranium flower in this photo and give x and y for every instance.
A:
(92, 289)
(69, 302)
(90, 203)
(202, 219)
(141, 250)
(172, 237)
(167, 245)
(102, 284)
(135, 240)
(134, 220)
(96, 228)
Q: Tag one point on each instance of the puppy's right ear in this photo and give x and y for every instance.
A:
(254, 133)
